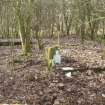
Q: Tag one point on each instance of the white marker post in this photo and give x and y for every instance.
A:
(57, 57)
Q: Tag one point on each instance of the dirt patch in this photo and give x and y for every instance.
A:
(31, 83)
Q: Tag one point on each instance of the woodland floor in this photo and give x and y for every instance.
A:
(29, 81)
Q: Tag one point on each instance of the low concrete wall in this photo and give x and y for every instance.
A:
(7, 42)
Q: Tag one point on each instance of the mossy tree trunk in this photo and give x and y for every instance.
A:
(24, 29)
